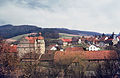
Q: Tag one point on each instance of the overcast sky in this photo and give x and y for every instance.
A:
(88, 15)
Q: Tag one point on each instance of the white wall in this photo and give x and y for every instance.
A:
(93, 48)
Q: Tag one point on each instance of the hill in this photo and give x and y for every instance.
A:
(9, 31)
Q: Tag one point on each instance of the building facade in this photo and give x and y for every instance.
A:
(31, 45)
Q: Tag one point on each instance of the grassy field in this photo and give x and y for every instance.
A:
(64, 35)
(18, 37)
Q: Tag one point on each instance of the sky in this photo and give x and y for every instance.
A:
(87, 15)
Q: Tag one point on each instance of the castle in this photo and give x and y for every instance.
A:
(31, 44)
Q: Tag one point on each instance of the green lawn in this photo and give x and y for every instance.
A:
(18, 37)
(64, 35)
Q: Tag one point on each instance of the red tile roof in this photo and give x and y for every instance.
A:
(93, 39)
(8, 48)
(40, 37)
(89, 55)
(32, 39)
(13, 48)
(66, 40)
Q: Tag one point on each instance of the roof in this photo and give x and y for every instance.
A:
(47, 57)
(92, 39)
(32, 39)
(50, 46)
(74, 49)
(8, 48)
(13, 48)
(103, 38)
(88, 55)
(66, 40)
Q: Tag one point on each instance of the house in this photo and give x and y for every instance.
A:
(93, 48)
(77, 58)
(112, 40)
(79, 41)
(102, 41)
(66, 42)
(88, 55)
(90, 40)
(54, 47)
(115, 40)
(9, 48)
(101, 44)
(76, 40)
(72, 57)
(103, 38)
(108, 42)
(31, 44)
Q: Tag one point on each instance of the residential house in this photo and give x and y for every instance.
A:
(111, 41)
(90, 40)
(54, 47)
(10, 49)
(93, 48)
(79, 41)
(76, 40)
(66, 42)
(115, 40)
(101, 42)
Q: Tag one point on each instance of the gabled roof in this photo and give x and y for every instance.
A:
(32, 39)
(47, 57)
(88, 55)
(66, 40)
(93, 39)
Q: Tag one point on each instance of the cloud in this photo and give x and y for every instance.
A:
(89, 15)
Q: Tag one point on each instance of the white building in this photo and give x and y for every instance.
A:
(93, 48)
(53, 48)
(79, 41)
